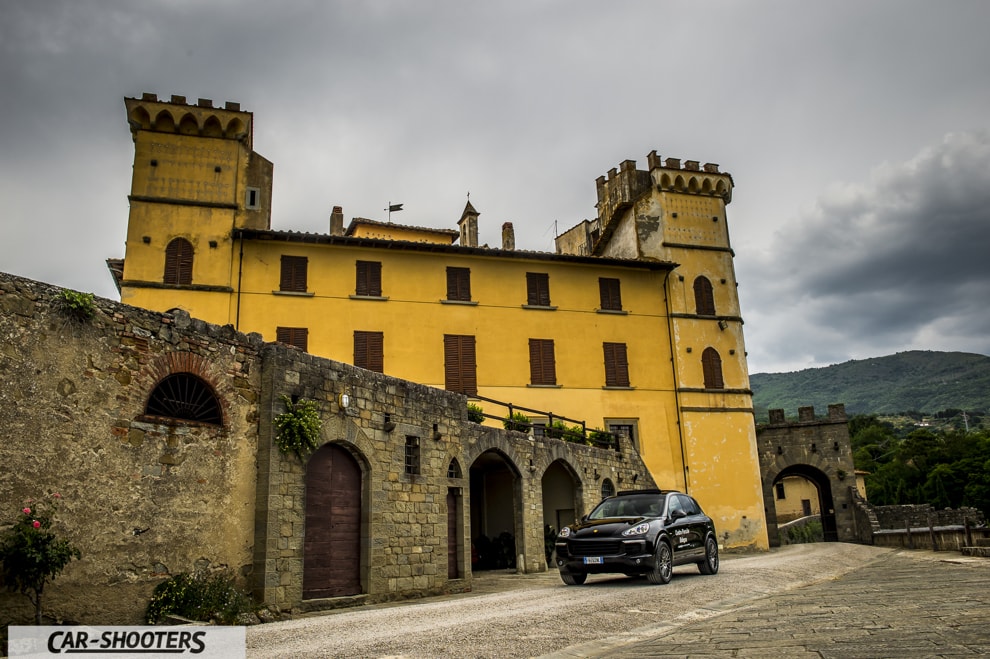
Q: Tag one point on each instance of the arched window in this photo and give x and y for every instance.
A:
(704, 297)
(178, 262)
(608, 489)
(186, 397)
(454, 469)
(711, 363)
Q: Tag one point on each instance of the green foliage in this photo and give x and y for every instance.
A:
(200, 597)
(601, 438)
(917, 380)
(475, 413)
(517, 421)
(32, 554)
(809, 531)
(78, 305)
(298, 428)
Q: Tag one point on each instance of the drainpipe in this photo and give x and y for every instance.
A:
(677, 394)
(240, 273)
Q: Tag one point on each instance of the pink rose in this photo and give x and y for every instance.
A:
(36, 524)
(57, 495)
(26, 511)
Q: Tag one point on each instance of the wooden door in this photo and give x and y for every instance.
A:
(332, 549)
(453, 530)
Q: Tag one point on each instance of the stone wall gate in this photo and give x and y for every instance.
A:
(819, 450)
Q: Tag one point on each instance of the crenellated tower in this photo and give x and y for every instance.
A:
(195, 179)
(675, 211)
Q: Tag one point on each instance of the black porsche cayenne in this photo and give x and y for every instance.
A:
(639, 532)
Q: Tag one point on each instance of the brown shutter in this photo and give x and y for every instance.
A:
(293, 336)
(541, 362)
(610, 296)
(704, 297)
(538, 289)
(369, 350)
(459, 284)
(178, 262)
(460, 367)
(293, 274)
(616, 365)
(369, 278)
(711, 365)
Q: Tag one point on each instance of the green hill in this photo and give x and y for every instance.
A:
(918, 380)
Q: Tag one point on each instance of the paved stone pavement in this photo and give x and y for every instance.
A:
(902, 604)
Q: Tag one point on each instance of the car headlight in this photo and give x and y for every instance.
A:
(565, 532)
(639, 529)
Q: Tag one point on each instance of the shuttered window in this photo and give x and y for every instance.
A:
(538, 289)
(616, 365)
(368, 350)
(293, 336)
(459, 284)
(704, 297)
(178, 262)
(542, 369)
(459, 365)
(369, 278)
(293, 277)
(609, 290)
(711, 364)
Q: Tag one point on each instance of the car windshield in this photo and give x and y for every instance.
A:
(640, 505)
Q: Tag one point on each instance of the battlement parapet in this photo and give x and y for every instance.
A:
(806, 414)
(200, 119)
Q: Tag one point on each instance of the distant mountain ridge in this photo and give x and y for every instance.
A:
(917, 380)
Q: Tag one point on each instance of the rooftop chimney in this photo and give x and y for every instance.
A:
(508, 237)
(337, 221)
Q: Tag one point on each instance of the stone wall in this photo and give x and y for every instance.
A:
(146, 497)
(924, 515)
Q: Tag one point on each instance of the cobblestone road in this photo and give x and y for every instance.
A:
(823, 600)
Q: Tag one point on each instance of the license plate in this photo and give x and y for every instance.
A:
(593, 560)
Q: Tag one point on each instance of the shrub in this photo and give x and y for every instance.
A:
(475, 413)
(31, 553)
(298, 428)
(200, 597)
(78, 305)
(601, 438)
(517, 421)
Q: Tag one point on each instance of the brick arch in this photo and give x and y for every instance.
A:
(174, 363)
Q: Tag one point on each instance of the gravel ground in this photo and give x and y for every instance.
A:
(510, 615)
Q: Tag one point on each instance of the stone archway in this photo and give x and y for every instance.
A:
(826, 503)
(561, 493)
(496, 519)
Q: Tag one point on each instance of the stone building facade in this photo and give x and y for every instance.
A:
(157, 431)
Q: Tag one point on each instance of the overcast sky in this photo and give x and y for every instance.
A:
(857, 134)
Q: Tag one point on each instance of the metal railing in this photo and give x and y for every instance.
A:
(599, 438)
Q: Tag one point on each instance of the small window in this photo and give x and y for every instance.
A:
(616, 365)
(608, 488)
(611, 299)
(459, 284)
(537, 289)
(369, 279)
(542, 368)
(293, 336)
(186, 397)
(412, 455)
(252, 199)
(293, 274)
(460, 364)
(624, 428)
(780, 491)
(178, 262)
(704, 297)
(454, 469)
(368, 350)
(711, 364)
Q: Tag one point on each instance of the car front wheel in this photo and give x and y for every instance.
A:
(710, 564)
(573, 578)
(663, 567)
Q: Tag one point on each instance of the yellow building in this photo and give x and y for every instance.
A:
(632, 326)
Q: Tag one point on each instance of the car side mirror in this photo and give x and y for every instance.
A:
(677, 514)
(584, 518)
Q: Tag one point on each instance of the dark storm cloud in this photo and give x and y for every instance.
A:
(898, 262)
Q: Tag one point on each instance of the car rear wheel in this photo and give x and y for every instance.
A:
(573, 578)
(710, 564)
(663, 567)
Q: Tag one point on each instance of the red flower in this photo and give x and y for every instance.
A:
(36, 524)
(26, 511)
